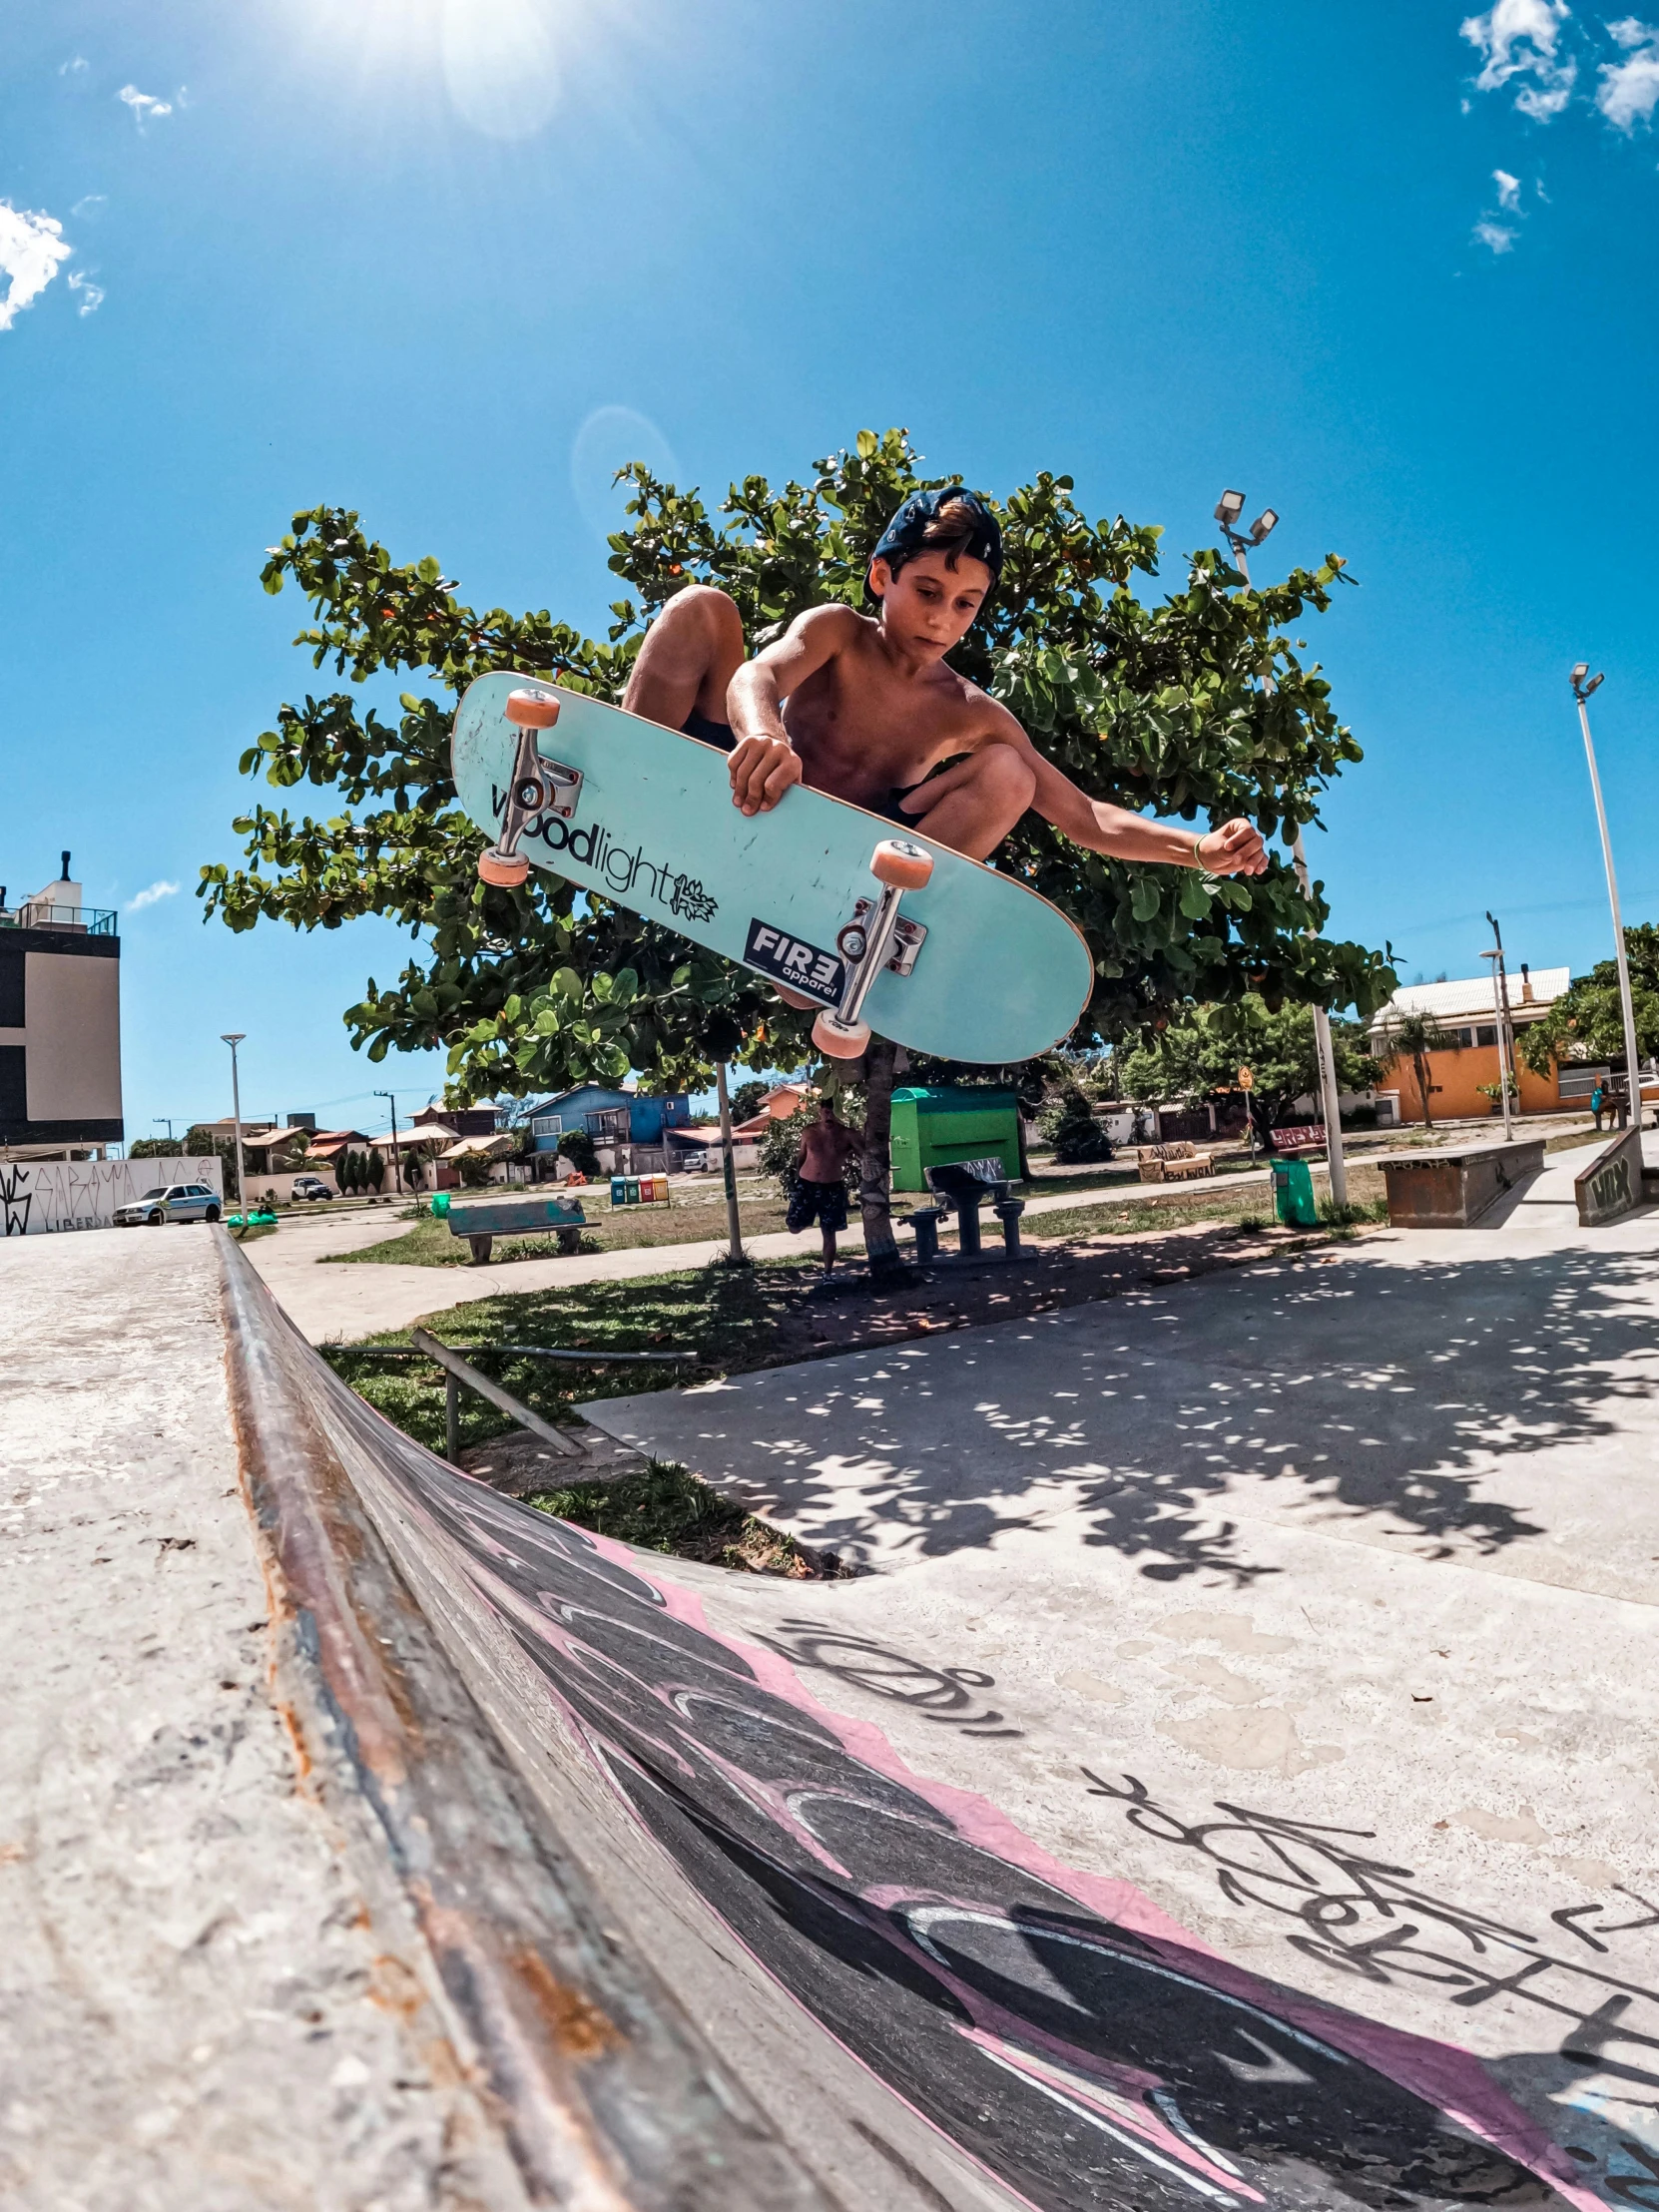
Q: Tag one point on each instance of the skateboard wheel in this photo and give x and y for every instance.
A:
(838, 1042)
(532, 711)
(508, 869)
(897, 861)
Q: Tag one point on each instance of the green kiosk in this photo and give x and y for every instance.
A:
(934, 1124)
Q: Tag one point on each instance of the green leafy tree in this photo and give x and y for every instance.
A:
(745, 1099)
(1412, 1038)
(374, 1169)
(1588, 1022)
(581, 1151)
(202, 1143)
(1072, 1130)
(1143, 703)
(1199, 1057)
(153, 1148)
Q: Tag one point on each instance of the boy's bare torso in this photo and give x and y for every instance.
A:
(825, 1152)
(864, 728)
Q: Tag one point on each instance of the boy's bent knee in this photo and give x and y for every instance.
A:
(706, 608)
(1005, 778)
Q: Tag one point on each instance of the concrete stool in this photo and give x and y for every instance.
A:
(1008, 1211)
(925, 1222)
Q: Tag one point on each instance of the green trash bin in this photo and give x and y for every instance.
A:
(440, 1204)
(1293, 1194)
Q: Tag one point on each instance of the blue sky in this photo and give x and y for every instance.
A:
(1392, 271)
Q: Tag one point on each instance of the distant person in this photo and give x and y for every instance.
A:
(820, 1192)
(1598, 1099)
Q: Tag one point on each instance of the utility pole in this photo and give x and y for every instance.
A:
(1505, 1033)
(733, 1232)
(232, 1039)
(1581, 690)
(1228, 511)
(165, 1120)
(396, 1155)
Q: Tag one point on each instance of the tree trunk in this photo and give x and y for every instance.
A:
(874, 1188)
(1419, 1066)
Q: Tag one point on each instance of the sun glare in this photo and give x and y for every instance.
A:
(500, 62)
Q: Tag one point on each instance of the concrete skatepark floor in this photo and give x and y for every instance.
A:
(1281, 1640)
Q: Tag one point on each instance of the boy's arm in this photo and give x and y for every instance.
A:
(764, 762)
(1236, 848)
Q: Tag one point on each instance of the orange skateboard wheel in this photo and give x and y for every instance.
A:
(897, 861)
(838, 1043)
(508, 869)
(531, 711)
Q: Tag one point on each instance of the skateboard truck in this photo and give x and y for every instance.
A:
(538, 787)
(868, 942)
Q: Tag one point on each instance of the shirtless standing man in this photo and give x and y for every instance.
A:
(820, 1192)
(866, 708)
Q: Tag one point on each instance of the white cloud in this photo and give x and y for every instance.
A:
(144, 105)
(90, 202)
(92, 295)
(74, 67)
(1508, 189)
(153, 897)
(1630, 90)
(1521, 37)
(1495, 234)
(31, 247)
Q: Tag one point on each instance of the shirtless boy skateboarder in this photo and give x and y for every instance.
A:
(820, 1192)
(866, 708)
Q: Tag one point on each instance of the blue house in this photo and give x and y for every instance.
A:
(608, 1116)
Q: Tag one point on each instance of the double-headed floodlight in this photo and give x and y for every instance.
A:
(1227, 510)
(1581, 690)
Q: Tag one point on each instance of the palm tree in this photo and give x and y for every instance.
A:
(1413, 1036)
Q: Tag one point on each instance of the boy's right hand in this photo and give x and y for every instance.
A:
(762, 769)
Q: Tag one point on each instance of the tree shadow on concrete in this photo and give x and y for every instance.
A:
(1417, 1401)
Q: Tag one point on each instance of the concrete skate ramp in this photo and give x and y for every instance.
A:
(712, 1945)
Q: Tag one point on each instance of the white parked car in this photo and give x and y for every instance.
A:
(311, 1186)
(170, 1202)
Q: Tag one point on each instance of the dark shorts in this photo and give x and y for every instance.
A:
(825, 1203)
(721, 734)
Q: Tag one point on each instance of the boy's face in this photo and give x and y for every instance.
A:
(930, 607)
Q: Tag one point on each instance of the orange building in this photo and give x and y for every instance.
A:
(1466, 1011)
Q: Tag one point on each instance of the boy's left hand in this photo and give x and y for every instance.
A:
(1236, 848)
(763, 769)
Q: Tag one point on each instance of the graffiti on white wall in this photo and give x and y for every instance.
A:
(42, 1197)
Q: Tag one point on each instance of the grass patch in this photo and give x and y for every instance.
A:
(1243, 1209)
(695, 1218)
(664, 1509)
(726, 1316)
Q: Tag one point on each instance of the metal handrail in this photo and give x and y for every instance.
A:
(89, 921)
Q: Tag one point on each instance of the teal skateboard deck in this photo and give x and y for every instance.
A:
(953, 958)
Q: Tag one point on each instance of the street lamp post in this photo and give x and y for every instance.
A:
(1241, 545)
(1582, 686)
(233, 1038)
(167, 1119)
(1506, 1034)
(733, 1226)
(396, 1155)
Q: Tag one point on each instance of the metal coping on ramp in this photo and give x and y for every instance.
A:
(710, 1945)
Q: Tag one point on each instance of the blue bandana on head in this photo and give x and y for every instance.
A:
(906, 532)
